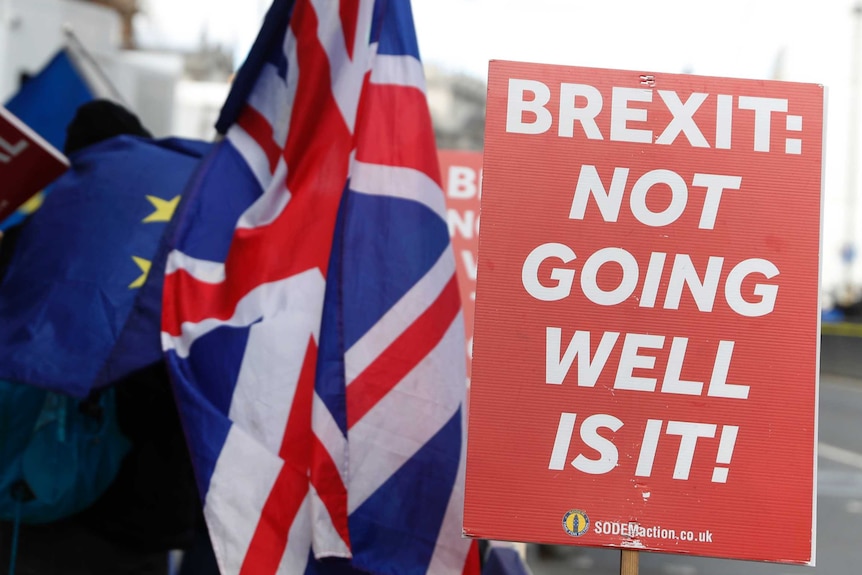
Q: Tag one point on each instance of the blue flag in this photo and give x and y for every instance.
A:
(139, 344)
(502, 558)
(81, 260)
(47, 103)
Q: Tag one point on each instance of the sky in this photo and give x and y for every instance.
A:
(185, 23)
(794, 40)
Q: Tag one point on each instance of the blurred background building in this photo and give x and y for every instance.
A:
(178, 88)
(174, 91)
(457, 104)
(171, 62)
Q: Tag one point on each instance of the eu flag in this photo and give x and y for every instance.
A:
(47, 103)
(82, 258)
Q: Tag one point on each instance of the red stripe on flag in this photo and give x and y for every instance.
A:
(270, 537)
(403, 354)
(394, 129)
(330, 488)
(257, 126)
(349, 13)
(279, 512)
(300, 238)
(471, 565)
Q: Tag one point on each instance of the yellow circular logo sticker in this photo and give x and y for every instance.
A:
(576, 522)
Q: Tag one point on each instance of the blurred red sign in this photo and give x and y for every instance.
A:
(462, 181)
(28, 163)
(645, 356)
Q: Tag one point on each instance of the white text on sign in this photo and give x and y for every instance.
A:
(682, 273)
(527, 113)
(11, 150)
(551, 271)
(608, 454)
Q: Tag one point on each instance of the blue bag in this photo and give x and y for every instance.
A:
(58, 453)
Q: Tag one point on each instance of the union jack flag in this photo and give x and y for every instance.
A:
(311, 318)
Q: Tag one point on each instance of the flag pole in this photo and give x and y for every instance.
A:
(628, 562)
(81, 56)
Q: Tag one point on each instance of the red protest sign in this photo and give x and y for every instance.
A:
(645, 346)
(462, 181)
(27, 163)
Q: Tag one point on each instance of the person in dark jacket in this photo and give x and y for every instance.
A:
(93, 122)
(152, 506)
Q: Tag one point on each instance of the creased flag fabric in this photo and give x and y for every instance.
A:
(502, 558)
(80, 260)
(138, 344)
(311, 318)
(47, 102)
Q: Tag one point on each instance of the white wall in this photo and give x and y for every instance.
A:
(149, 83)
(197, 107)
(31, 31)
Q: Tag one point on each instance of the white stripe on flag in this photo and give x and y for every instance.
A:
(396, 182)
(325, 540)
(273, 358)
(399, 71)
(400, 317)
(289, 49)
(205, 271)
(251, 153)
(408, 416)
(268, 206)
(450, 552)
(308, 286)
(329, 434)
(346, 74)
(272, 97)
(295, 558)
(240, 484)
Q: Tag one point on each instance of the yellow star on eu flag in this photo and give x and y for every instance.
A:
(33, 204)
(164, 209)
(145, 269)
